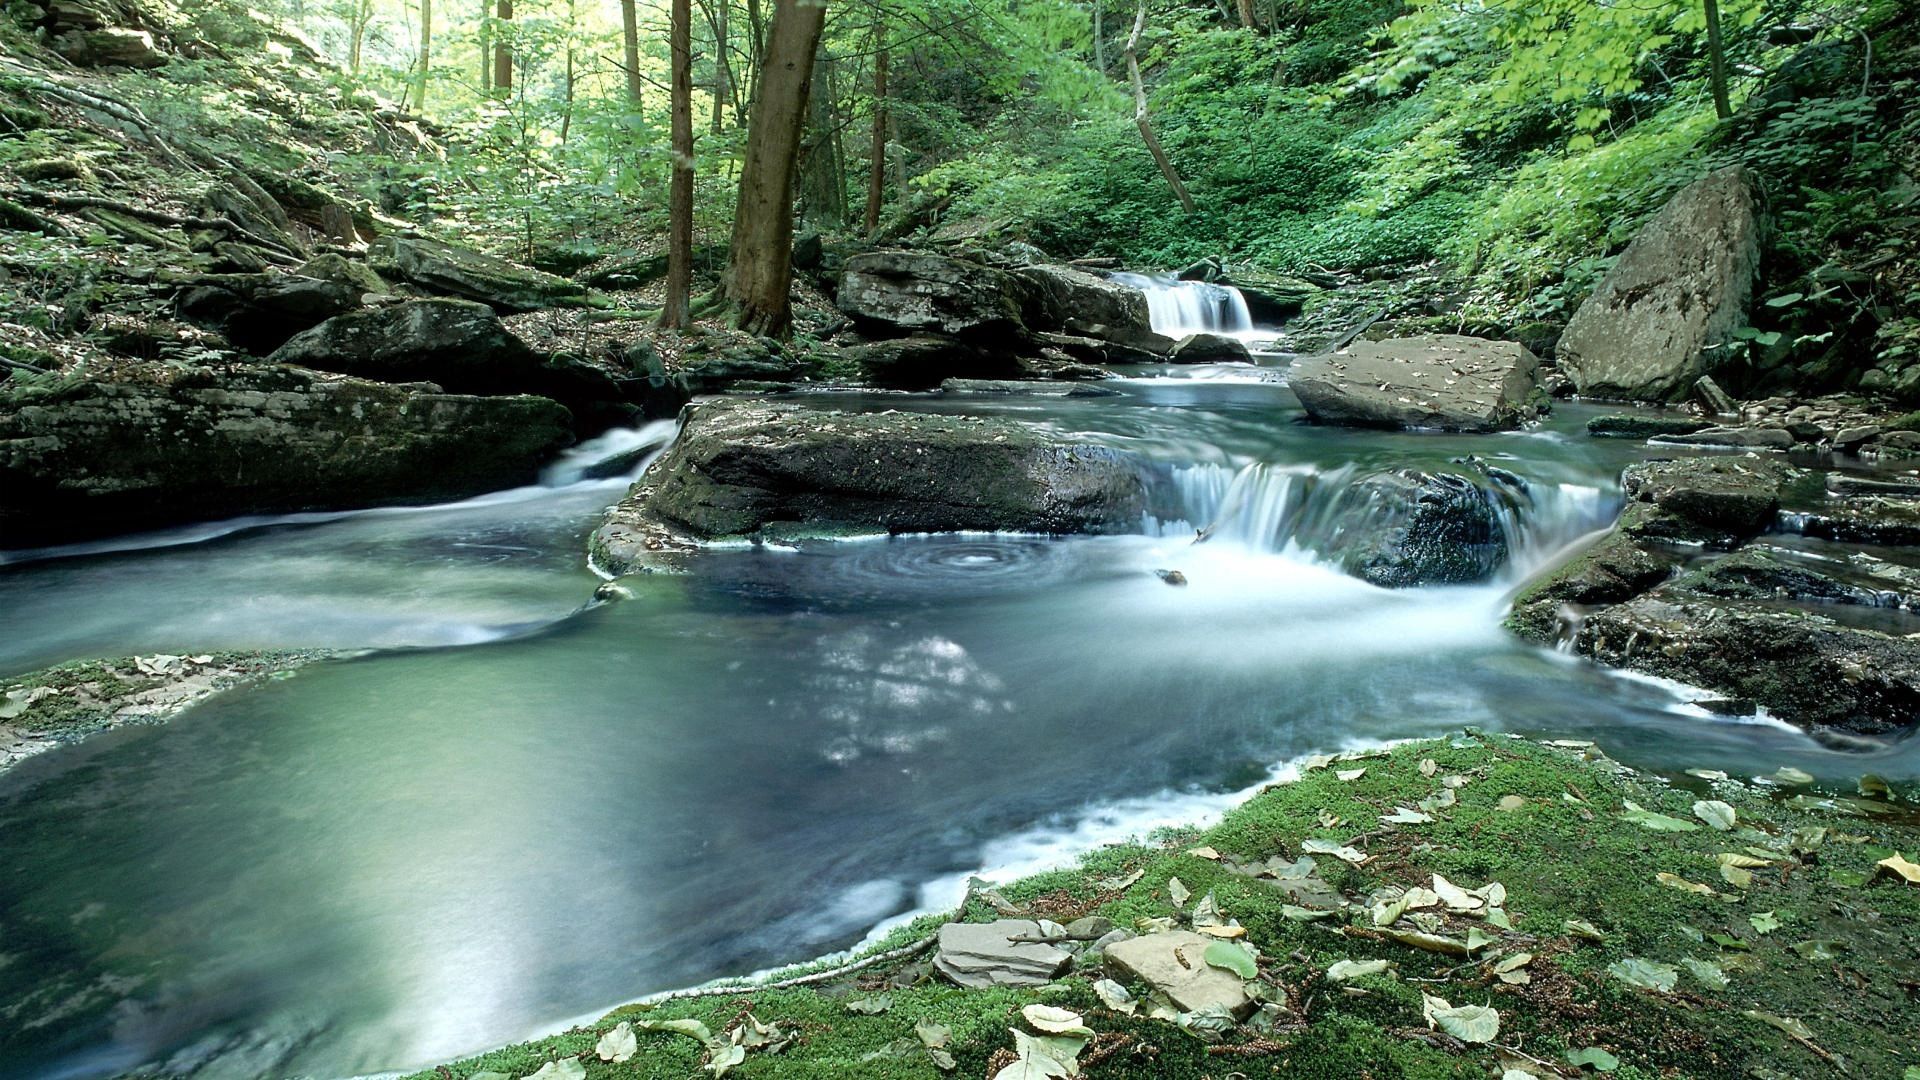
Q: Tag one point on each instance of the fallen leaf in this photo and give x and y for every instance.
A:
(1640, 815)
(1787, 774)
(1178, 892)
(1346, 970)
(1050, 1020)
(932, 1034)
(1766, 922)
(1596, 1058)
(1712, 976)
(564, 1069)
(1455, 897)
(1675, 881)
(1468, 1023)
(871, 1006)
(1334, 848)
(1895, 866)
(692, 1029)
(722, 1059)
(1785, 1023)
(1115, 997)
(1583, 928)
(1116, 884)
(1737, 876)
(942, 1060)
(1708, 774)
(1817, 948)
(1428, 767)
(1230, 957)
(1351, 774)
(1715, 813)
(1203, 853)
(619, 1044)
(1645, 974)
(1510, 803)
(1403, 816)
(1430, 942)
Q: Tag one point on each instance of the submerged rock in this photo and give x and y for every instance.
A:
(1644, 427)
(1444, 382)
(1680, 288)
(1006, 952)
(1174, 963)
(158, 446)
(741, 466)
(467, 274)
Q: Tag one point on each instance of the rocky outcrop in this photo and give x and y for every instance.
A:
(1065, 298)
(1679, 289)
(740, 467)
(158, 446)
(1720, 502)
(459, 272)
(924, 361)
(1441, 382)
(907, 292)
(259, 312)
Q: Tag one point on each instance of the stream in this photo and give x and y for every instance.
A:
(516, 808)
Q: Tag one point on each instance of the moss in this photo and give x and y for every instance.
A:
(87, 696)
(1563, 853)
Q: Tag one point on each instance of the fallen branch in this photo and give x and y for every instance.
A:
(22, 365)
(1347, 338)
(828, 975)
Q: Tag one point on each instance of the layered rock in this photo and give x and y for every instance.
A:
(158, 446)
(1720, 502)
(459, 272)
(259, 312)
(1006, 952)
(1174, 963)
(1442, 382)
(905, 292)
(740, 467)
(1069, 299)
(1679, 289)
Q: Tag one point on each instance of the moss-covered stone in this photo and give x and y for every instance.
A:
(1612, 571)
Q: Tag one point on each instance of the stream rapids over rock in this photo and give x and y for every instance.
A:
(510, 806)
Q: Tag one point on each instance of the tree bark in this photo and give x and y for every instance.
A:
(503, 51)
(760, 270)
(426, 56)
(722, 68)
(677, 313)
(362, 15)
(1245, 8)
(1147, 136)
(486, 47)
(630, 29)
(877, 163)
(1099, 38)
(1717, 61)
(566, 113)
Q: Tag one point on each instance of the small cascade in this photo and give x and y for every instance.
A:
(616, 454)
(1338, 517)
(1177, 308)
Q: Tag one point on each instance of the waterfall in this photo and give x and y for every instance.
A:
(1324, 515)
(1177, 308)
(614, 454)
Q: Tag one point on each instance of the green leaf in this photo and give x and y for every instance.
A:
(1641, 816)
(1231, 957)
(932, 1034)
(871, 1006)
(1645, 974)
(1766, 922)
(692, 1029)
(1786, 300)
(1712, 976)
(724, 1058)
(1594, 1057)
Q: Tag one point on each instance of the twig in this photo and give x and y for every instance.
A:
(22, 365)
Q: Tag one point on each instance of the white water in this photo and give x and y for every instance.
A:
(1177, 308)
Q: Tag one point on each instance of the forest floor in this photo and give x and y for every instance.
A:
(1482, 906)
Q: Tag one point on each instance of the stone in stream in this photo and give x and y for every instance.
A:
(158, 445)
(1678, 291)
(1405, 528)
(742, 466)
(1612, 571)
(1644, 427)
(1006, 952)
(1443, 382)
(923, 361)
(1209, 349)
(908, 292)
(1078, 302)
(1720, 502)
(461, 272)
(1752, 438)
(1174, 963)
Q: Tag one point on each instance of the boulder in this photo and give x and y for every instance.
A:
(924, 361)
(112, 46)
(740, 466)
(1174, 963)
(1613, 571)
(1802, 666)
(1861, 519)
(1679, 289)
(341, 270)
(461, 272)
(906, 292)
(259, 312)
(1065, 298)
(1644, 427)
(1209, 349)
(159, 445)
(1751, 438)
(977, 955)
(1406, 528)
(1443, 382)
(1720, 502)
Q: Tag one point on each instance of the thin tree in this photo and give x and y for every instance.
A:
(486, 47)
(1159, 152)
(1717, 61)
(677, 313)
(759, 259)
(877, 163)
(426, 55)
(503, 50)
(1099, 38)
(722, 68)
(357, 22)
(630, 27)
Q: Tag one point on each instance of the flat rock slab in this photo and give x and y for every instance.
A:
(1174, 962)
(1001, 953)
(1443, 381)
(1717, 501)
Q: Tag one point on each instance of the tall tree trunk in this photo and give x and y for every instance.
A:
(825, 192)
(877, 163)
(503, 51)
(1159, 153)
(486, 47)
(759, 268)
(676, 314)
(362, 15)
(1717, 61)
(1099, 38)
(722, 67)
(1245, 8)
(630, 30)
(426, 55)
(566, 112)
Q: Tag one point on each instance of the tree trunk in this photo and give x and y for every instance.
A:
(722, 68)
(760, 270)
(362, 15)
(630, 28)
(1717, 61)
(1159, 153)
(1245, 8)
(1099, 38)
(676, 314)
(877, 163)
(566, 112)
(486, 47)
(426, 55)
(503, 51)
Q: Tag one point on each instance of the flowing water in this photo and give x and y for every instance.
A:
(1177, 308)
(522, 808)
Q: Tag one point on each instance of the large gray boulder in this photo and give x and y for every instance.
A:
(1209, 349)
(259, 312)
(461, 272)
(924, 361)
(906, 292)
(742, 466)
(1174, 963)
(1679, 290)
(1069, 299)
(158, 446)
(1006, 952)
(1441, 382)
